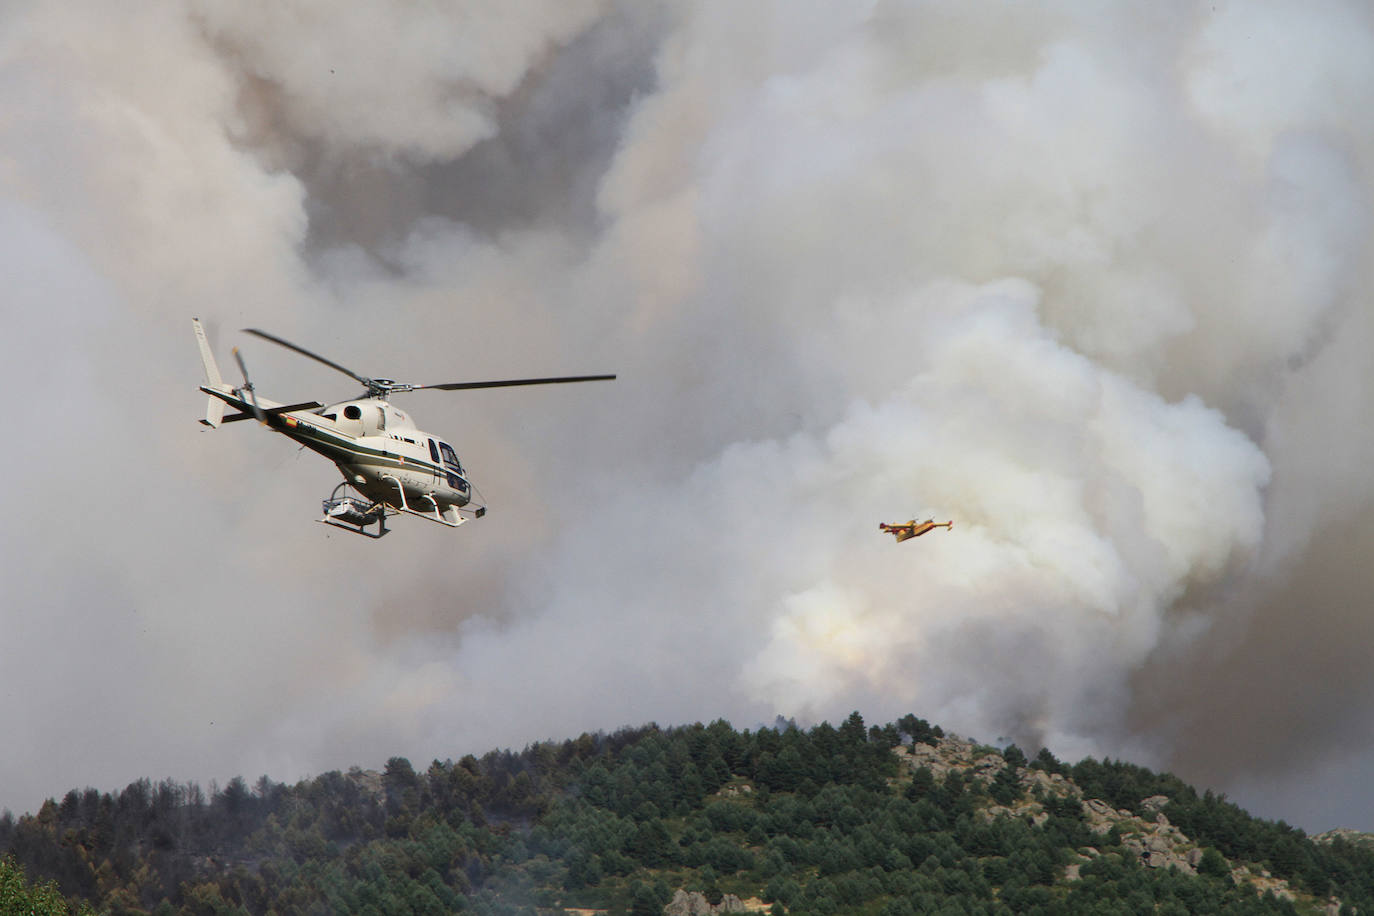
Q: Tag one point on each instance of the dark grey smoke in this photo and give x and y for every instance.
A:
(1089, 282)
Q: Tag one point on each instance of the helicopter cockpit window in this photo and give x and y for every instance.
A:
(452, 469)
(433, 451)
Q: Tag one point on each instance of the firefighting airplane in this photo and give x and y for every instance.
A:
(912, 529)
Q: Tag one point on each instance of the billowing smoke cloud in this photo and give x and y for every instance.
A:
(1089, 282)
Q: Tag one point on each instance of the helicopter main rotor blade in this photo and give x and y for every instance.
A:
(304, 352)
(382, 386)
(508, 383)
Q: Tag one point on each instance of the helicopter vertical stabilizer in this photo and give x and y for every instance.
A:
(214, 410)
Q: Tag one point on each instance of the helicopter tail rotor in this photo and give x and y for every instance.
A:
(248, 387)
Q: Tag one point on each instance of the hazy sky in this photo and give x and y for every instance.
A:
(1089, 279)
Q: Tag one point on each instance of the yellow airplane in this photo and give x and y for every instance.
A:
(912, 528)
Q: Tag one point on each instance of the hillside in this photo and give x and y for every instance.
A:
(887, 821)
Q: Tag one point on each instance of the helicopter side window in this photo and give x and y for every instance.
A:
(433, 451)
(450, 457)
(353, 412)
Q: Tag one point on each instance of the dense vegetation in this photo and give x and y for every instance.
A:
(18, 896)
(821, 821)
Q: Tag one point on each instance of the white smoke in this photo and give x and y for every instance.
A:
(1086, 281)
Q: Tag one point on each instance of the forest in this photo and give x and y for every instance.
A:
(826, 820)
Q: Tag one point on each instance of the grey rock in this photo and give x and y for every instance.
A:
(692, 903)
(1155, 803)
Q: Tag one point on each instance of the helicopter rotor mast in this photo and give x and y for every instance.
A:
(382, 387)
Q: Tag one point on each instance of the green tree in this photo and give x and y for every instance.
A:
(1005, 788)
(1046, 761)
(922, 784)
(17, 896)
(1213, 864)
(852, 732)
(651, 844)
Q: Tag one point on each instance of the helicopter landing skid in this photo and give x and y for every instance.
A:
(353, 514)
(433, 516)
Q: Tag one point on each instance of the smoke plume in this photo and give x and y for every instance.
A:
(1089, 281)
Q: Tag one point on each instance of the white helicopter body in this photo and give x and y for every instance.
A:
(383, 456)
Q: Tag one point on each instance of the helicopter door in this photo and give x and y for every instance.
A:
(438, 462)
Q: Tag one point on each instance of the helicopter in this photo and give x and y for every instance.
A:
(389, 465)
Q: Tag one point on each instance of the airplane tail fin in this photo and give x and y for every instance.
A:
(214, 409)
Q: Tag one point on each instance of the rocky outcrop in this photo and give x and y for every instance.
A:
(692, 903)
(1156, 842)
(370, 781)
(1031, 810)
(1155, 803)
(1150, 836)
(1346, 834)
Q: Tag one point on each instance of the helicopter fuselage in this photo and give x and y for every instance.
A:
(379, 451)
